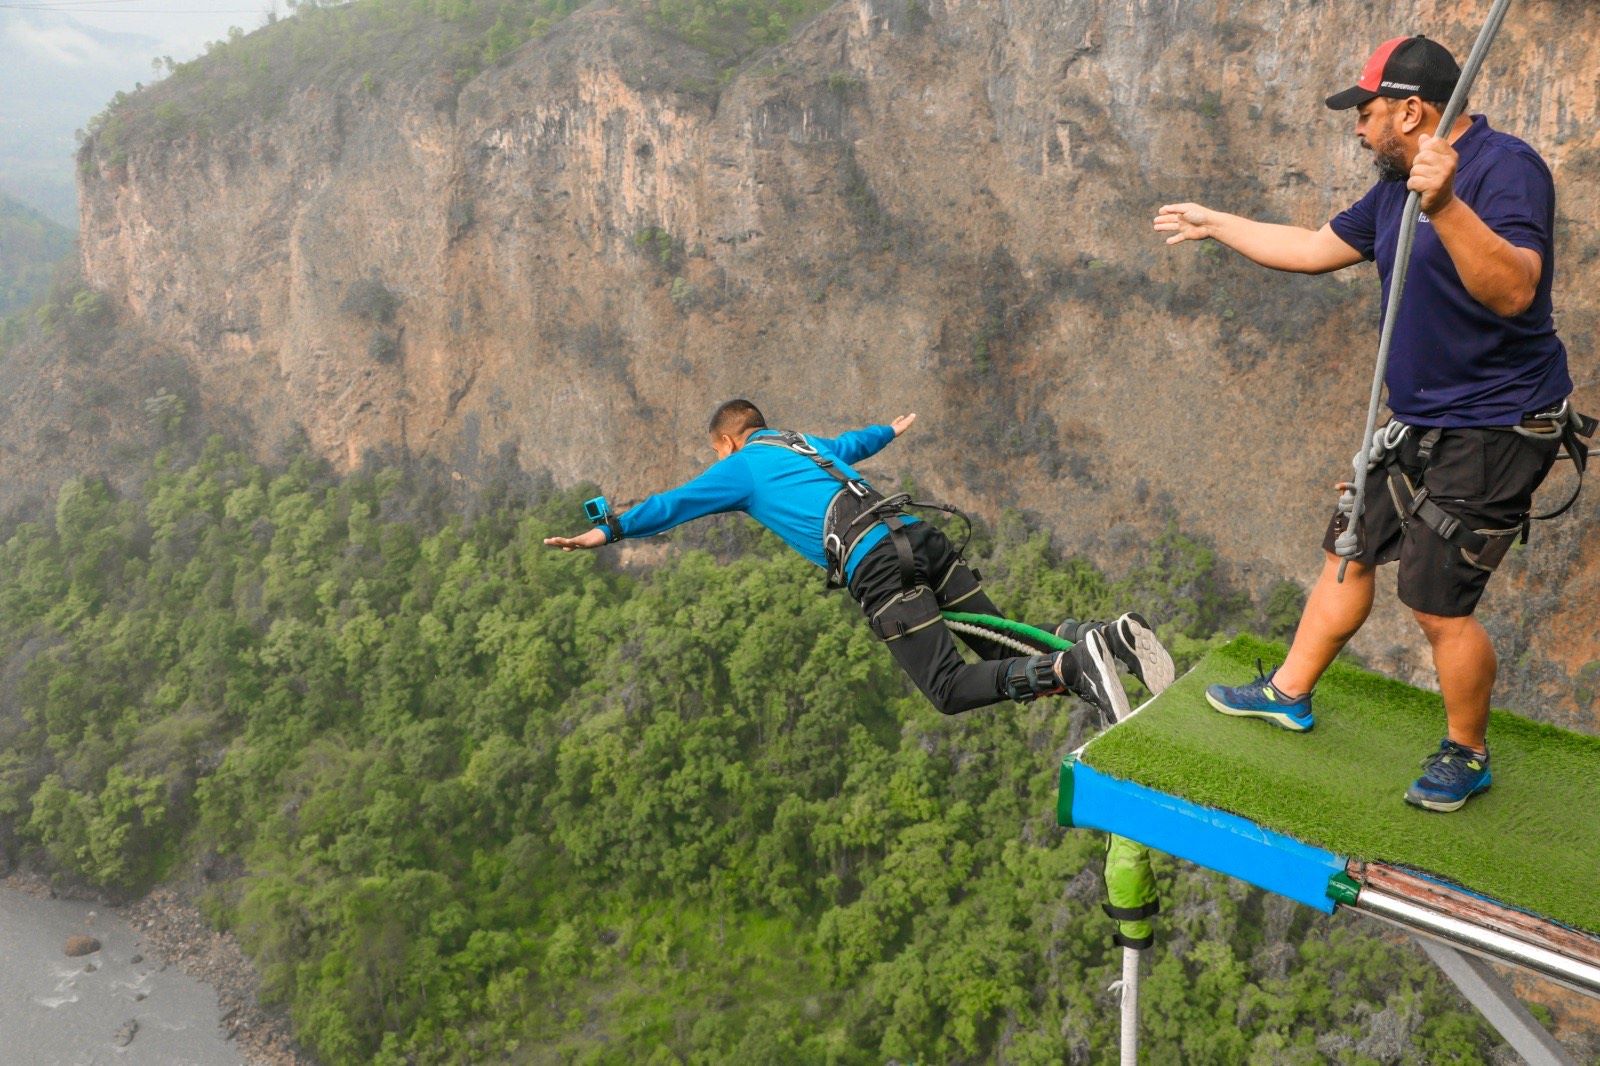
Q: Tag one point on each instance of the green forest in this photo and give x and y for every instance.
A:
(31, 247)
(466, 799)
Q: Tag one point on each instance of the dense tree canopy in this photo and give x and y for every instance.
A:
(466, 799)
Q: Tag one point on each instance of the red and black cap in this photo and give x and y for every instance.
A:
(1403, 67)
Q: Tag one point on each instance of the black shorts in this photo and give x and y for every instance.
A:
(1485, 478)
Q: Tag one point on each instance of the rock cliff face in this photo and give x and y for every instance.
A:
(937, 206)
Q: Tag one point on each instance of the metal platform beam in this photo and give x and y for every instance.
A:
(1473, 923)
(1499, 1006)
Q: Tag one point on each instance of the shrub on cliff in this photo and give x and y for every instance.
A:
(731, 29)
(371, 299)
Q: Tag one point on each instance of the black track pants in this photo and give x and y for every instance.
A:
(911, 626)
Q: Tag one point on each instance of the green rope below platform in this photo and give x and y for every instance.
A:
(1031, 634)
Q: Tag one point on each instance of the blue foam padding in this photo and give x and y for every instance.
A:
(1204, 836)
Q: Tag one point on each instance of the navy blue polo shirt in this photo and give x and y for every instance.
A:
(1454, 362)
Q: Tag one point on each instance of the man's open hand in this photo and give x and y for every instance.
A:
(901, 424)
(595, 538)
(1185, 222)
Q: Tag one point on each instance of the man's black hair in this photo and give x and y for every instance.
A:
(735, 417)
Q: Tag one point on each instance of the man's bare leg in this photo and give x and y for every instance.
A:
(1465, 660)
(1334, 612)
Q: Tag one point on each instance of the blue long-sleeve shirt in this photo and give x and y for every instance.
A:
(787, 493)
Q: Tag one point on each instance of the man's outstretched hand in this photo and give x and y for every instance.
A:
(1184, 222)
(901, 424)
(595, 538)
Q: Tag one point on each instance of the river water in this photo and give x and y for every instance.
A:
(54, 1009)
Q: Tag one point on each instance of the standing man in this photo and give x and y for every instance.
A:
(901, 571)
(1477, 382)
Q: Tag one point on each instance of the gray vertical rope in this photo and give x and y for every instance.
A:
(1353, 505)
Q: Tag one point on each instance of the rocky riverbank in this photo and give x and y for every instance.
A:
(172, 932)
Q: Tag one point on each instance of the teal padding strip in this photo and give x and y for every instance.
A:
(1207, 837)
(1047, 641)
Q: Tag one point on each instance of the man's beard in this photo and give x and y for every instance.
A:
(1390, 169)
(1387, 157)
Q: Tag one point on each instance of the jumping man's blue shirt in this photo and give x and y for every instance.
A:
(1453, 362)
(787, 493)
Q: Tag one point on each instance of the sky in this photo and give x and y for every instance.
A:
(61, 61)
(179, 28)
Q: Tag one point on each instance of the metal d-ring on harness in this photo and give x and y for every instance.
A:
(856, 510)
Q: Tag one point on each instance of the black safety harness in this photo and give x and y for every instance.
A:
(1412, 499)
(856, 510)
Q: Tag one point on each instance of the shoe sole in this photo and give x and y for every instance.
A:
(1151, 663)
(1445, 806)
(1282, 721)
(1106, 676)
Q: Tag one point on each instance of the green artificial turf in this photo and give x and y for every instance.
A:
(1531, 841)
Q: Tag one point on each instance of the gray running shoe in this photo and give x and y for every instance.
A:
(1097, 681)
(1135, 646)
(1133, 643)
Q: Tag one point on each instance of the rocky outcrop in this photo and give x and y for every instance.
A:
(937, 206)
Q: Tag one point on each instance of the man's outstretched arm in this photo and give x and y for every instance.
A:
(1291, 248)
(861, 444)
(725, 486)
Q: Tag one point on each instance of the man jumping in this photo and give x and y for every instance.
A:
(900, 570)
(1477, 381)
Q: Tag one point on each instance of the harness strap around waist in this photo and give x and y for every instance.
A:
(1563, 421)
(837, 548)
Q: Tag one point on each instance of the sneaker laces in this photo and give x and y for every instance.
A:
(1448, 765)
(1263, 679)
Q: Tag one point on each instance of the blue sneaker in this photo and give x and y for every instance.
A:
(1451, 776)
(1262, 699)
